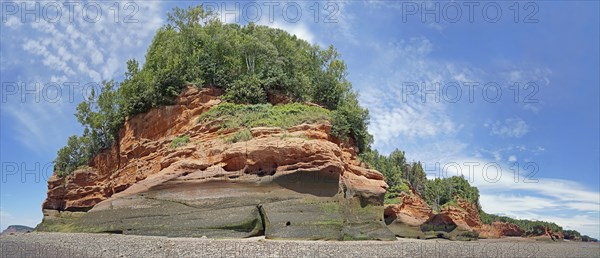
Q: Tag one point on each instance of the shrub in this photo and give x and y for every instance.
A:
(531, 227)
(73, 156)
(247, 90)
(240, 136)
(392, 167)
(440, 191)
(180, 141)
(351, 120)
(391, 200)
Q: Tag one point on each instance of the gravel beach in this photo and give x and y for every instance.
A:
(113, 245)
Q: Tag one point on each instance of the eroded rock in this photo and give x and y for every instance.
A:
(499, 229)
(413, 218)
(306, 185)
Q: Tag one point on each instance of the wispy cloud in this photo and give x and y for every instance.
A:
(433, 132)
(394, 113)
(300, 29)
(530, 196)
(74, 52)
(510, 127)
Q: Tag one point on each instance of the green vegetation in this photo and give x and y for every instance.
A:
(330, 207)
(98, 115)
(240, 136)
(248, 62)
(441, 191)
(391, 200)
(586, 238)
(398, 173)
(180, 141)
(572, 234)
(248, 116)
(391, 196)
(401, 176)
(531, 227)
(70, 157)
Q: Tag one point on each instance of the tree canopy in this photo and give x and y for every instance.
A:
(398, 173)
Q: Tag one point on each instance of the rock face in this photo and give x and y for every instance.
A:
(464, 215)
(405, 219)
(413, 218)
(499, 229)
(456, 222)
(299, 183)
(548, 235)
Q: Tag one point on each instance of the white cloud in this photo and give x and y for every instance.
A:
(80, 49)
(565, 202)
(510, 127)
(410, 120)
(13, 22)
(533, 107)
(52, 61)
(77, 51)
(572, 215)
(58, 79)
(423, 127)
(512, 152)
(36, 123)
(394, 112)
(344, 21)
(241, 15)
(538, 76)
(299, 29)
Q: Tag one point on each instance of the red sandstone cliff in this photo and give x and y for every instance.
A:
(247, 187)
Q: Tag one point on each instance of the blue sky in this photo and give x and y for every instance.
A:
(547, 53)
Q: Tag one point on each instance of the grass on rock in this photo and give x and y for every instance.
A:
(265, 115)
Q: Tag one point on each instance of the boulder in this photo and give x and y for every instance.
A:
(455, 222)
(405, 218)
(413, 218)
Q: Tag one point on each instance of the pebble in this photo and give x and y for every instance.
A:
(41, 244)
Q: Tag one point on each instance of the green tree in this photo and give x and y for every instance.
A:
(350, 119)
(247, 90)
(391, 167)
(72, 156)
(417, 177)
(440, 191)
(101, 117)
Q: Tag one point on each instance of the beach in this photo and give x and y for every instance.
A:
(116, 245)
